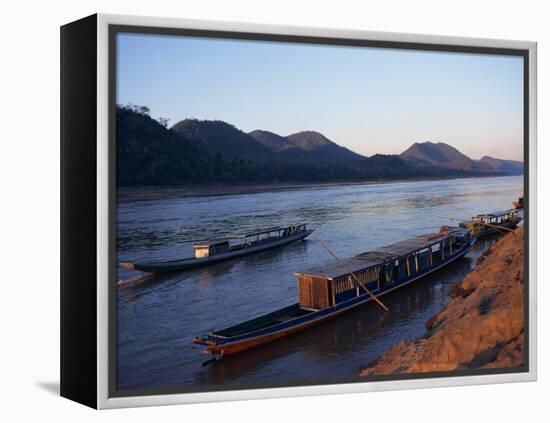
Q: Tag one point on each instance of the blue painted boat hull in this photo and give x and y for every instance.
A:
(191, 263)
(218, 344)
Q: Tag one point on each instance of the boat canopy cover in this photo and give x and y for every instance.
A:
(495, 214)
(381, 255)
(299, 226)
(210, 243)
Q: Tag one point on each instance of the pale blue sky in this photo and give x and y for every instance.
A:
(367, 99)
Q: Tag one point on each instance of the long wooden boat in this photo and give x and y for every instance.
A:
(490, 223)
(328, 291)
(211, 252)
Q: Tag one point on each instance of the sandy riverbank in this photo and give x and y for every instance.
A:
(482, 326)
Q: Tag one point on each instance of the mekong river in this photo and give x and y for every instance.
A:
(157, 320)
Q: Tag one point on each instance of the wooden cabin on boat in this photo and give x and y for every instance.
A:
(206, 249)
(379, 270)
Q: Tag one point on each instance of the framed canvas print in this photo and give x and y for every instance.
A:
(254, 211)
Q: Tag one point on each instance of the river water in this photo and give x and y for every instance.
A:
(158, 318)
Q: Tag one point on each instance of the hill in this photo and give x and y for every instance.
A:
(315, 146)
(220, 137)
(512, 167)
(429, 153)
(213, 152)
(305, 146)
(443, 155)
(274, 142)
(147, 153)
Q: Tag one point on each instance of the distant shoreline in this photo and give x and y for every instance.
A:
(149, 193)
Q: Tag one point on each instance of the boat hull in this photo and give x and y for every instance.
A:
(302, 323)
(493, 231)
(191, 263)
(238, 347)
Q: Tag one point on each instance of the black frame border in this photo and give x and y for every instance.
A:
(114, 29)
(78, 211)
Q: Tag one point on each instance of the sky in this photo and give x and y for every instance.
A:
(369, 100)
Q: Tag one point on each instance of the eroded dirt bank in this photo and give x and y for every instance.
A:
(482, 326)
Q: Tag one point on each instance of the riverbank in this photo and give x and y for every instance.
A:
(481, 327)
(147, 193)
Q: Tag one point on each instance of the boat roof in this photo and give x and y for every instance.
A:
(265, 231)
(496, 213)
(205, 244)
(241, 236)
(381, 255)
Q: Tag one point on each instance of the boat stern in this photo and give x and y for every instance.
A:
(213, 347)
(127, 265)
(208, 339)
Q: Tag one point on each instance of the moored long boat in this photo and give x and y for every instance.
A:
(211, 252)
(328, 291)
(488, 224)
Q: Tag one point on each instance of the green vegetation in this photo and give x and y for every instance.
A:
(148, 153)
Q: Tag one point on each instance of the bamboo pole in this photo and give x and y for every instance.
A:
(345, 265)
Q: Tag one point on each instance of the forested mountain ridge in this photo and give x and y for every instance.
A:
(150, 153)
(221, 137)
(439, 154)
(514, 167)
